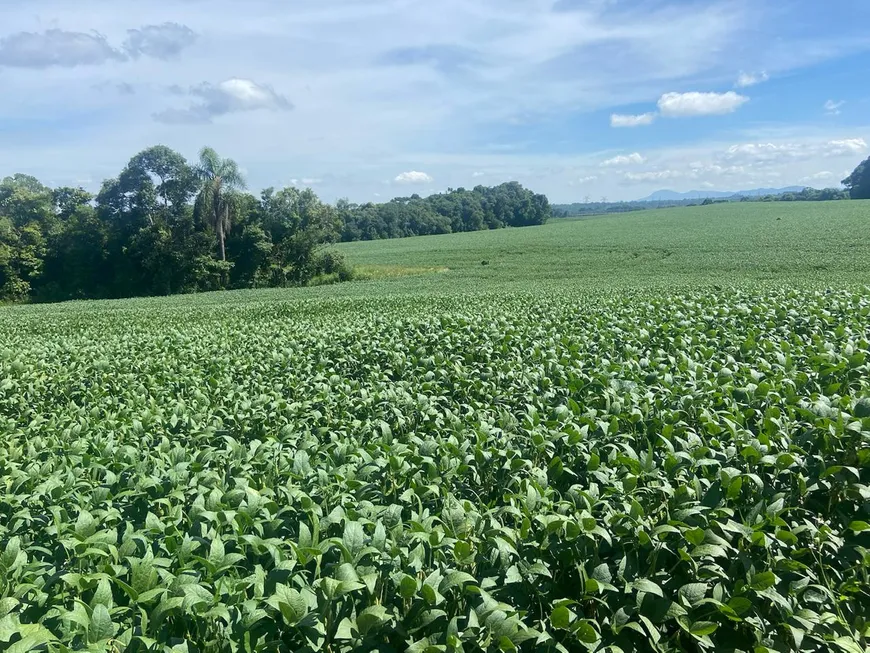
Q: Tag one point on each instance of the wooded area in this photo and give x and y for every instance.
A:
(165, 226)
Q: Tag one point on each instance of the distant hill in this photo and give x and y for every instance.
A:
(671, 196)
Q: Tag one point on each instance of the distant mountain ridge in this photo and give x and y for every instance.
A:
(670, 195)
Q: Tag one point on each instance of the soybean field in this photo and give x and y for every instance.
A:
(569, 450)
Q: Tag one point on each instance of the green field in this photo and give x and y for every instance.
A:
(583, 445)
(778, 242)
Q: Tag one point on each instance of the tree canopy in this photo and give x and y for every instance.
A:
(506, 205)
(858, 182)
(142, 234)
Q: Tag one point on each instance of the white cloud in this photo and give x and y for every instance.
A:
(624, 160)
(68, 49)
(165, 41)
(751, 79)
(765, 151)
(311, 182)
(681, 105)
(230, 96)
(849, 146)
(586, 180)
(780, 152)
(478, 174)
(413, 177)
(825, 175)
(653, 175)
(621, 120)
(55, 47)
(833, 108)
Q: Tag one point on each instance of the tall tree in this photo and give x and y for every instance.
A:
(218, 202)
(858, 182)
(176, 181)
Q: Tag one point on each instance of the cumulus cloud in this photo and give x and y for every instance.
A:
(751, 79)
(230, 96)
(623, 160)
(56, 47)
(682, 105)
(478, 174)
(586, 180)
(845, 147)
(413, 177)
(833, 108)
(165, 41)
(621, 120)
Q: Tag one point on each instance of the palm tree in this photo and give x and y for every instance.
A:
(218, 201)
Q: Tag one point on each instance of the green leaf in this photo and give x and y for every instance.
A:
(7, 605)
(371, 618)
(585, 632)
(693, 592)
(9, 559)
(103, 594)
(195, 595)
(701, 628)
(646, 585)
(740, 604)
(86, 525)
(601, 573)
(289, 602)
(379, 539)
(407, 586)
(354, 537)
(763, 581)
(33, 636)
(561, 617)
(849, 645)
(859, 526)
(334, 589)
(345, 630)
(101, 626)
(455, 579)
(711, 550)
(216, 552)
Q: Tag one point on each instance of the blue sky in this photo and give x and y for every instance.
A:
(369, 99)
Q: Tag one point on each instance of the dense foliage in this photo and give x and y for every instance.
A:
(164, 226)
(566, 472)
(143, 235)
(506, 205)
(858, 182)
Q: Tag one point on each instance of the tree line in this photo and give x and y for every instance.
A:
(507, 205)
(165, 226)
